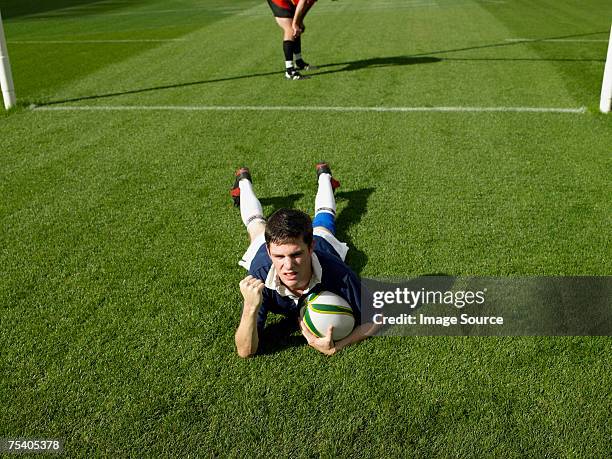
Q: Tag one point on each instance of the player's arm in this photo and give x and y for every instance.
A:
(246, 337)
(300, 13)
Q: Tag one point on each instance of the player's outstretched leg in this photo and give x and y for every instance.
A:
(325, 202)
(244, 197)
(300, 64)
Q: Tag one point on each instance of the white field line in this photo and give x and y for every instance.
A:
(281, 108)
(556, 40)
(71, 42)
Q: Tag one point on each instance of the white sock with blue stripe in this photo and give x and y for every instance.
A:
(250, 207)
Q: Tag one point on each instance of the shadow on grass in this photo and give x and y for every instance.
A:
(521, 59)
(350, 216)
(279, 202)
(280, 335)
(377, 62)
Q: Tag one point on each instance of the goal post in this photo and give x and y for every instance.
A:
(605, 104)
(6, 78)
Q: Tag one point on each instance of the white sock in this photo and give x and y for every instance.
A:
(325, 200)
(297, 56)
(288, 64)
(250, 207)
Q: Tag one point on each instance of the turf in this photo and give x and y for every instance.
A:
(119, 293)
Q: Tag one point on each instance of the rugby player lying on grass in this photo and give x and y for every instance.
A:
(289, 257)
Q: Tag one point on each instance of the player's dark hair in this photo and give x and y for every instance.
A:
(285, 225)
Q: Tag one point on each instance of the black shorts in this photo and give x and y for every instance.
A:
(281, 12)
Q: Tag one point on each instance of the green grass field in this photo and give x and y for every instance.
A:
(119, 290)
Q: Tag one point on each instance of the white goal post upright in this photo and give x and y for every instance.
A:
(6, 78)
(605, 104)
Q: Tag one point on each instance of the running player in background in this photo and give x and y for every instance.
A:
(290, 16)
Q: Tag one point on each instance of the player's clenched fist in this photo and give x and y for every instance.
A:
(251, 289)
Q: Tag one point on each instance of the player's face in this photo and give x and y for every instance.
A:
(292, 263)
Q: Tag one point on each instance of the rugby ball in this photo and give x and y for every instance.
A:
(324, 309)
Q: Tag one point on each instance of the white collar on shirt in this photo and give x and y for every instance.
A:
(273, 282)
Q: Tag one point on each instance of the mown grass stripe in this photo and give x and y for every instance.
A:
(86, 42)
